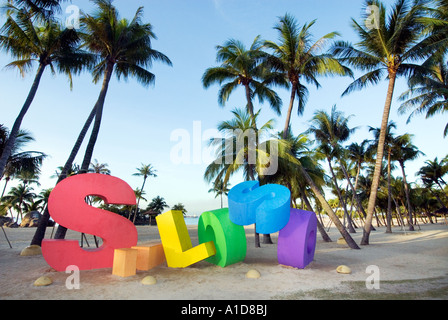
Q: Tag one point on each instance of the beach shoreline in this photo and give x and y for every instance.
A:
(415, 261)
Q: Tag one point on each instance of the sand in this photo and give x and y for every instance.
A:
(411, 265)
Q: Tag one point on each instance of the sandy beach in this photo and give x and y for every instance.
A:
(412, 265)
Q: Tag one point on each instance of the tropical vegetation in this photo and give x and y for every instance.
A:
(350, 183)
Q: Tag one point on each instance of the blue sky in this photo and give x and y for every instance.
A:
(138, 122)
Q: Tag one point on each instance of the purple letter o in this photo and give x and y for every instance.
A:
(297, 241)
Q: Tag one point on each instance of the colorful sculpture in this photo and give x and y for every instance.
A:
(179, 251)
(125, 262)
(222, 238)
(68, 207)
(229, 238)
(297, 241)
(267, 206)
(149, 256)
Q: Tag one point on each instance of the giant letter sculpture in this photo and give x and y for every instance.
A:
(267, 206)
(68, 207)
(179, 251)
(229, 238)
(297, 241)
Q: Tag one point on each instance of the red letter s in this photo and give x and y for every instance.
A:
(67, 207)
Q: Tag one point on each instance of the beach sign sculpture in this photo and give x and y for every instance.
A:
(222, 238)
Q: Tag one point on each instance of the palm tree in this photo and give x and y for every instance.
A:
(358, 153)
(139, 194)
(388, 146)
(144, 171)
(327, 208)
(49, 45)
(29, 177)
(19, 161)
(122, 47)
(437, 26)
(330, 130)
(179, 207)
(220, 189)
(100, 168)
(241, 149)
(428, 91)
(299, 59)
(287, 174)
(18, 197)
(388, 49)
(404, 150)
(244, 67)
(67, 170)
(227, 150)
(42, 9)
(43, 197)
(157, 204)
(434, 170)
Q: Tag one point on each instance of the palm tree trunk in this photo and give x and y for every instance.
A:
(353, 188)
(250, 106)
(291, 106)
(15, 129)
(351, 243)
(138, 201)
(341, 200)
(61, 231)
(39, 235)
(408, 200)
(4, 188)
(379, 160)
(441, 188)
(321, 229)
(99, 114)
(389, 200)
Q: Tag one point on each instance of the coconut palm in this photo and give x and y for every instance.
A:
(19, 161)
(437, 26)
(67, 170)
(47, 44)
(326, 207)
(299, 147)
(123, 48)
(244, 67)
(220, 189)
(388, 146)
(387, 49)
(428, 91)
(300, 60)
(404, 150)
(157, 204)
(19, 198)
(43, 9)
(101, 168)
(434, 171)
(145, 171)
(241, 149)
(179, 207)
(43, 196)
(358, 153)
(330, 131)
